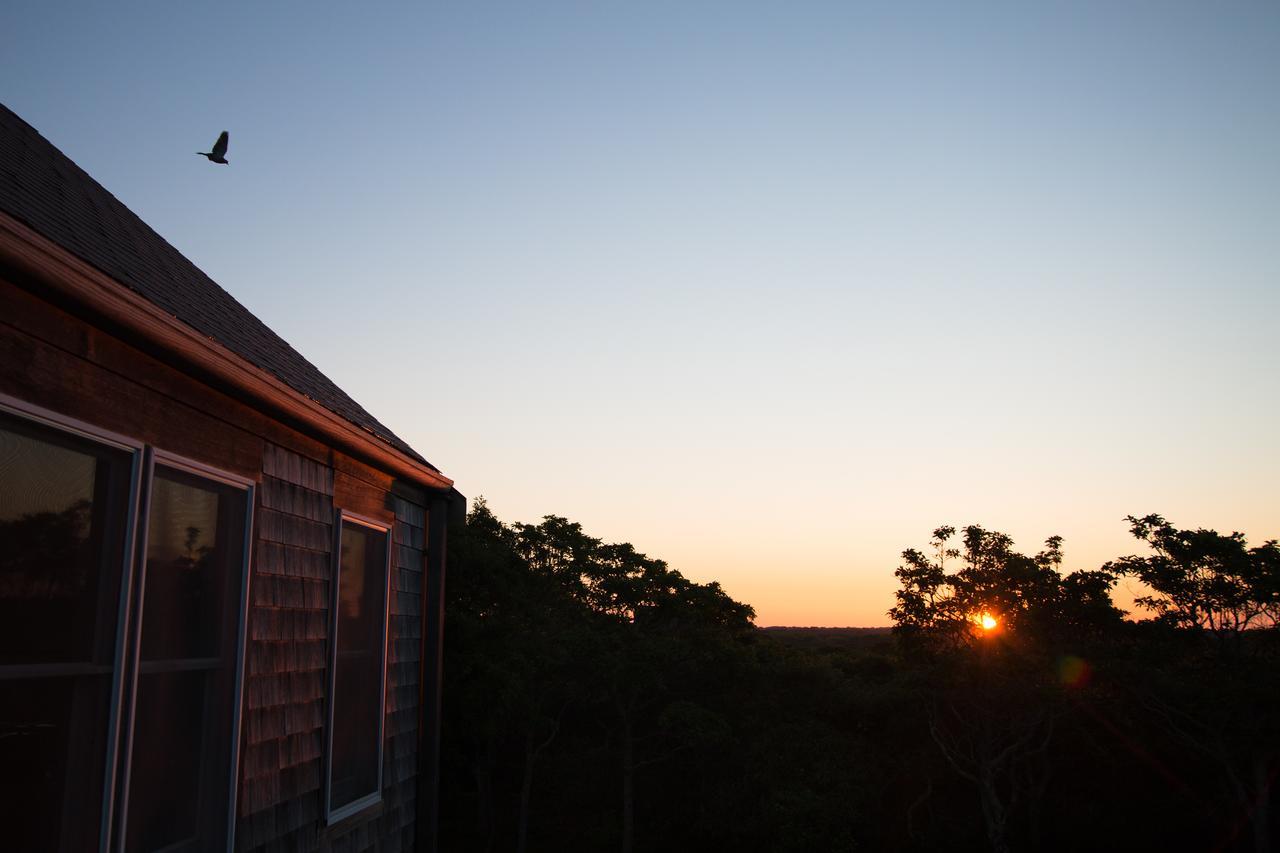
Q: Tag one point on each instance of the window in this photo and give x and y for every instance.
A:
(119, 676)
(357, 666)
(187, 662)
(64, 539)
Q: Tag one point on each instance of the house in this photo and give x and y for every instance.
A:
(220, 578)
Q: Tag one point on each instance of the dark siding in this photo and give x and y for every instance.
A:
(282, 787)
(403, 654)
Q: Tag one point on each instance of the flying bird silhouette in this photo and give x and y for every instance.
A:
(219, 152)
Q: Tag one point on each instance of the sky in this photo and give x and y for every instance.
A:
(769, 290)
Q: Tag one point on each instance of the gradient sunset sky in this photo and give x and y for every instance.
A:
(769, 290)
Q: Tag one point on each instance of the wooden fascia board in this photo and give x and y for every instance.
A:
(73, 279)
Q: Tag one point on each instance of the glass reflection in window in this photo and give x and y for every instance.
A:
(182, 729)
(358, 665)
(64, 506)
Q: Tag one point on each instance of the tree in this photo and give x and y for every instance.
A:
(990, 688)
(1217, 705)
(1027, 596)
(553, 633)
(513, 648)
(1204, 580)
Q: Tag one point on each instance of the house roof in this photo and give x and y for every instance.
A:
(42, 188)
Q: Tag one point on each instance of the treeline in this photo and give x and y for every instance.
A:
(595, 699)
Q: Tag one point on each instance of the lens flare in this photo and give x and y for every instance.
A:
(1074, 671)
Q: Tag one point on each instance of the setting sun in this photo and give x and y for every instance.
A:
(987, 621)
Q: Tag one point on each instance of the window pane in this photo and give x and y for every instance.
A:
(189, 562)
(361, 644)
(168, 763)
(53, 754)
(180, 765)
(63, 507)
(63, 502)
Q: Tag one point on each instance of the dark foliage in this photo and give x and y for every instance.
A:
(596, 699)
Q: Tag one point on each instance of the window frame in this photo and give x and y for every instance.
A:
(340, 517)
(138, 480)
(155, 456)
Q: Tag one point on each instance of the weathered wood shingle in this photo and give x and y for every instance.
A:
(287, 656)
(282, 783)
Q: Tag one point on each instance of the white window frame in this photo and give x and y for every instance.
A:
(61, 423)
(154, 457)
(341, 517)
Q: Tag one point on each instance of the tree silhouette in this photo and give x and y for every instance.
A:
(548, 624)
(1027, 596)
(597, 699)
(1218, 701)
(992, 691)
(1203, 579)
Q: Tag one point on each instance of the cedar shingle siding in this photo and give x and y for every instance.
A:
(281, 799)
(404, 656)
(281, 802)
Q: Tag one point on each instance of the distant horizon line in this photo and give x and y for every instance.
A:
(869, 628)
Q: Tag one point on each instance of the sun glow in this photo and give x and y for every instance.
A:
(987, 621)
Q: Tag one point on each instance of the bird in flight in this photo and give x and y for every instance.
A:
(219, 152)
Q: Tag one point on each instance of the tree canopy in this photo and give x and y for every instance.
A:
(598, 699)
(1203, 579)
(1024, 596)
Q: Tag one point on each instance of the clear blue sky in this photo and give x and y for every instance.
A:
(768, 289)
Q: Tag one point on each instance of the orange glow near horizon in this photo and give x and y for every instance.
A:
(807, 569)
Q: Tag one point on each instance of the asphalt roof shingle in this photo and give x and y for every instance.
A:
(42, 188)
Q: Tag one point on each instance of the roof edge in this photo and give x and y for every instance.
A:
(73, 278)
